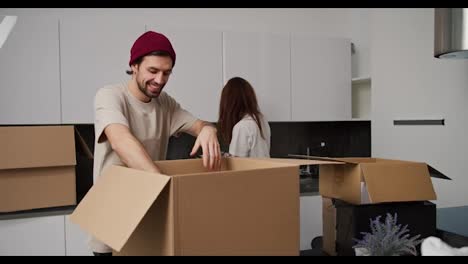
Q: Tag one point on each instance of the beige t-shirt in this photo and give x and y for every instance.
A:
(247, 140)
(151, 123)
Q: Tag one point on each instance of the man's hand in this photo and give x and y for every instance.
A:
(207, 139)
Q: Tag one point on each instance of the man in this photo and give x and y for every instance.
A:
(134, 120)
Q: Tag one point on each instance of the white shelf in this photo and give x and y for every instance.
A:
(361, 80)
(361, 98)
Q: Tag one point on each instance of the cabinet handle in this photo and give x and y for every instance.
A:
(403, 122)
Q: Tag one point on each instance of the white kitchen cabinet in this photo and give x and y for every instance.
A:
(196, 80)
(33, 236)
(321, 78)
(94, 52)
(29, 72)
(76, 240)
(263, 59)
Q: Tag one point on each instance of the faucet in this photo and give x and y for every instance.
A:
(308, 166)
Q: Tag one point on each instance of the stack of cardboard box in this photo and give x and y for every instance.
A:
(359, 189)
(38, 167)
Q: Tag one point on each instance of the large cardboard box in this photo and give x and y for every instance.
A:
(250, 207)
(376, 180)
(37, 167)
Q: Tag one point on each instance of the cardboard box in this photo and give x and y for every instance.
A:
(37, 167)
(351, 220)
(250, 207)
(376, 180)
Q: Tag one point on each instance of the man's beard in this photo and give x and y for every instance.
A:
(144, 89)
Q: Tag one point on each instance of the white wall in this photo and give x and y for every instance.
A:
(408, 82)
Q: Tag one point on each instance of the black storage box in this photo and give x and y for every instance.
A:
(351, 220)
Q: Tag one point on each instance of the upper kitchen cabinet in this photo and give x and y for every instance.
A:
(94, 52)
(263, 59)
(196, 80)
(321, 78)
(29, 72)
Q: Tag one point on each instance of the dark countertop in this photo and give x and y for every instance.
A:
(63, 210)
(452, 227)
(453, 219)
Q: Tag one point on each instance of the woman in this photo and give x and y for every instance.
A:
(240, 123)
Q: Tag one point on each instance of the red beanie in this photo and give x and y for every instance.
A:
(148, 42)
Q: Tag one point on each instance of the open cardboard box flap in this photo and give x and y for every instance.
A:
(394, 182)
(112, 218)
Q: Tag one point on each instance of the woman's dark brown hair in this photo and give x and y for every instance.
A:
(237, 99)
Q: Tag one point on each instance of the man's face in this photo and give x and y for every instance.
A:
(152, 74)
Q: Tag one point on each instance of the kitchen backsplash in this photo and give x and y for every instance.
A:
(331, 139)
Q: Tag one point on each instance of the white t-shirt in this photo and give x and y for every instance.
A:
(247, 141)
(151, 123)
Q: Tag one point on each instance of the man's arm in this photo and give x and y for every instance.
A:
(207, 139)
(130, 151)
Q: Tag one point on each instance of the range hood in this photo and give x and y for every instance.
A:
(451, 33)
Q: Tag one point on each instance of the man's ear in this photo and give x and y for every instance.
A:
(134, 67)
